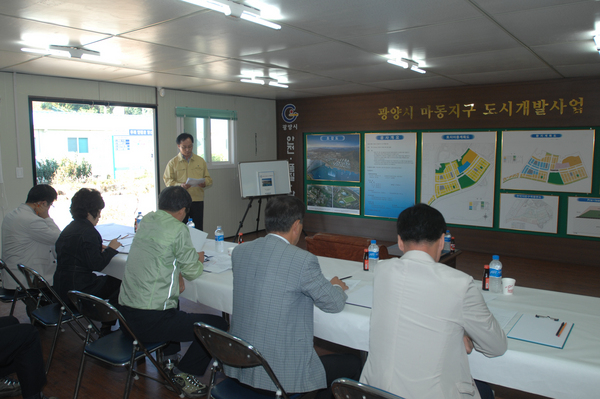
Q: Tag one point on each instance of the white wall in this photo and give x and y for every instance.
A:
(223, 203)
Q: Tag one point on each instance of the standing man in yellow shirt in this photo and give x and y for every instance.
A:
(189, 165)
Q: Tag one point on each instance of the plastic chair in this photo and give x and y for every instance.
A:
(345, 388)
(56, 314)
(118, 348)
(232, 351)
(20, 293)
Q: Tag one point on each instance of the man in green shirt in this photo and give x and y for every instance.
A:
(161, 256)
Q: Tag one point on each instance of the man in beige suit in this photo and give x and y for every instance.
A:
(426, 318)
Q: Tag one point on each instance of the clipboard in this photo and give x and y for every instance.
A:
(541, 330)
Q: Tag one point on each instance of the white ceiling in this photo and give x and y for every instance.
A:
(325, 47)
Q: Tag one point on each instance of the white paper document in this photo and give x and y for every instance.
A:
(111, 231)
(194, 182)
(541, 329)
(198, 238)
(362, 296)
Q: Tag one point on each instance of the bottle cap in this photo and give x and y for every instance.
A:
(373, 241)
(486, 266)
(495, 257)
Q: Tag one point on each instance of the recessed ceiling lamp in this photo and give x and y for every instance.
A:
(261, 80)
(237, 10)
(71, 52)
(406, 63)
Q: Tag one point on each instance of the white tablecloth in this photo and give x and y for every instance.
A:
(572, 372)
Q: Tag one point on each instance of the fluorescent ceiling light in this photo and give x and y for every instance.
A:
(277, 84)
(254, 81)
(406, 63)
(399, 63)
(236, 10)
(260, 80)
(597, 41)
(248, 16)
(213, 5)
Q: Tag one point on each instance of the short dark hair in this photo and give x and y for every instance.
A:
(281, 213)
(174, 198)
(184, 137)
(419, 223)
(86, 200)
(41, 192)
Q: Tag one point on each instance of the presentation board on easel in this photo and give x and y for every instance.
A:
(265, 178)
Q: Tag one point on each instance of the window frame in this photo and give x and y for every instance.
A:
(206, 140)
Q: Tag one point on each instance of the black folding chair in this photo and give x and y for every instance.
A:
(118, 348)
(20, 292)
(232, 351)
(56, 314)
(345, 388)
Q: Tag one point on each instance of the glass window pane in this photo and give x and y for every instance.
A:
(200, 147)
(219, 140)
(71, 144)
(83, 145)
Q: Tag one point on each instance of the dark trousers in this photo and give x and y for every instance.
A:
(197, 214)
(485, 391)
(175, 326)
(339, 366)
(21, 353)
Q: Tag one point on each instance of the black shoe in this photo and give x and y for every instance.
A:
(189, 384)
(9, 387)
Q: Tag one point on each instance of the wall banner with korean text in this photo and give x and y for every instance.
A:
(390, 173)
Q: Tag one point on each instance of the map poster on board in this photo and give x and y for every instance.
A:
(553, 160)
(529, 212)
(458, 175)
(336, 199)
(584, 216)
(333, 157)
(390, 173)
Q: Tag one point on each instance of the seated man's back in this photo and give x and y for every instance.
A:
(426, 318)
(275, 288)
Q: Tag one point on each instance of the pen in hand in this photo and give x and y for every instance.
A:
(345, 278)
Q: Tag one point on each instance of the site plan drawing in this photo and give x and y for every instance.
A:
(528, 212)
(584, 216)
(457, 176)
(557, 160)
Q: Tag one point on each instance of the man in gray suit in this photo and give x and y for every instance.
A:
(426, 318)
(275, 288)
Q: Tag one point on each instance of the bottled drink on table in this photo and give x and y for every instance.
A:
(452, 245)
(240, 240)
(191, 223)
(219, 237)
(373, 255)
(485, 281)
(447, 240)
(496, 275)
(136, 224)
(366, 260)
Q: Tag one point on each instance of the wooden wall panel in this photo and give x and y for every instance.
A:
(352, 113)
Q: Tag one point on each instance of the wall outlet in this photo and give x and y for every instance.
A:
(19, 173)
